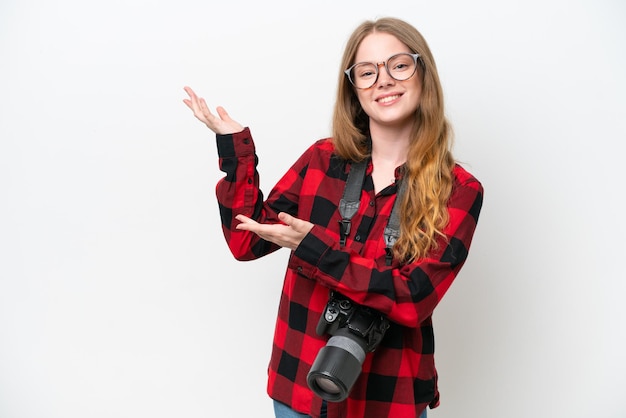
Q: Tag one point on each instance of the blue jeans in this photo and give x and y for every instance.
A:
(283, 411)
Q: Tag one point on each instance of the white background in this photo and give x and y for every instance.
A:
(118, 297)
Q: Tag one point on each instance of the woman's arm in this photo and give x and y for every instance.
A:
(252, 226)
(406, 293)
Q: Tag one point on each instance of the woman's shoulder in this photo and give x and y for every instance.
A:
(463, 179)
(467, 193)
(317, 154)
(320, 149)
(323, 145)
(462, 176)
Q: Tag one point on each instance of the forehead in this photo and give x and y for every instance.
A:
(378, 46)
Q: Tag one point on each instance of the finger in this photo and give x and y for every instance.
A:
(204, 107)
(205, 115)
(243, 218)
(247, 223)
(197, 104)
(299, 225)
(192, 96)
(294, 223)
(223, 114)
(193, 104)
(190, 92)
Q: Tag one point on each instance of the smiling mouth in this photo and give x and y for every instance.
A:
(388, 99)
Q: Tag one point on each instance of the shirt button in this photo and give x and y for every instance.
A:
(249, 181)
(372, 203)
(300, 269)
(357, 238)
(246, 141)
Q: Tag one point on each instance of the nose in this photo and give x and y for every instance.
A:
(384, 78)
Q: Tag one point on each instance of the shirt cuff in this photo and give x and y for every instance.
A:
(235, 145)
(312, 248)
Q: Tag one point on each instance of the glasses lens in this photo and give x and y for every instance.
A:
(401, 66)
(363, 75)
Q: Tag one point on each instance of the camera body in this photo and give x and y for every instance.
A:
(355, 331)
(366, 324)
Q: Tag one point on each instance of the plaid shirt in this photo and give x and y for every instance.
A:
(399, 379)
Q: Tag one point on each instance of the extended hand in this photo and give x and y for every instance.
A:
(287, 234)
(220, 124)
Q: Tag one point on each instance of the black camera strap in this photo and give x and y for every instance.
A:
(351, 200)
(349, 203)
(392, 230)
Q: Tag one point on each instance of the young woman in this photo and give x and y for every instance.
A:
(388, 118)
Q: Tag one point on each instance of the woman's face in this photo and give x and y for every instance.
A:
(389, 103)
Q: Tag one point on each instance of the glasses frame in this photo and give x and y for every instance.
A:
(377, 65)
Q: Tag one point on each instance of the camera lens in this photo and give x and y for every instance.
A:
(327, 385)
(336, 367)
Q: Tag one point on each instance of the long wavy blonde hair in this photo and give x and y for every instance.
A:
(429, 165)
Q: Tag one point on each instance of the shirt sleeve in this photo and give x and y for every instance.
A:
(406, 293)
(238, 192)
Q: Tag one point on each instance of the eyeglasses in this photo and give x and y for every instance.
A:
(400, 67)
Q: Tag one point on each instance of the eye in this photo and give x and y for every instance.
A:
(401, 63)
(365, 71)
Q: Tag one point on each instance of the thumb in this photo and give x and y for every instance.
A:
(286, 218)
(223, 114)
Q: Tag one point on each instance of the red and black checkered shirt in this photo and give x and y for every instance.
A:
(399, 379)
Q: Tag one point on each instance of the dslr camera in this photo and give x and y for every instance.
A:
(355, 331)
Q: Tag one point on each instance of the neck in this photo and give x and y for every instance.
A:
(390, 146)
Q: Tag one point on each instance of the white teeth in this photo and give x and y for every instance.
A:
(388, 99)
